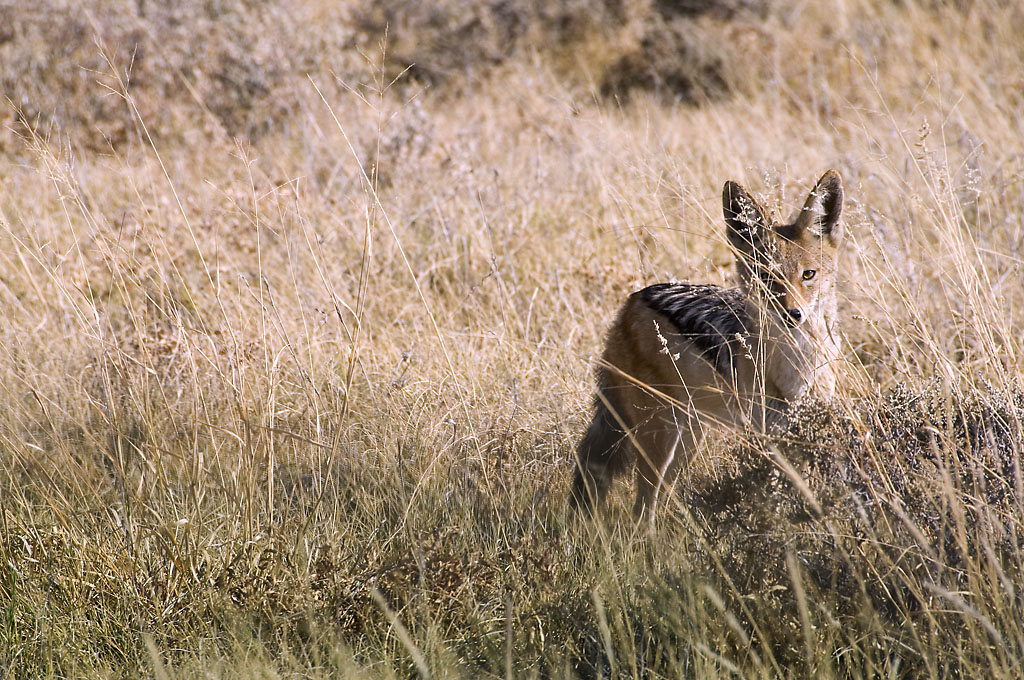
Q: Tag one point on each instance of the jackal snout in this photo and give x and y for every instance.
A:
(682, 358)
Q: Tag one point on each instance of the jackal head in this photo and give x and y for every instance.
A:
(789, 270)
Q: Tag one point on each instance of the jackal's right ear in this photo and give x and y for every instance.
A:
(821, 211)
(745, 218)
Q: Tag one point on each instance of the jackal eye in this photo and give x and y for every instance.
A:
(809, 274)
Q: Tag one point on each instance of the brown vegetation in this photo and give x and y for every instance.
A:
(296, 344)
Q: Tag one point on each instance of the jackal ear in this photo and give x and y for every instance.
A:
(746, 220)
(820, 214)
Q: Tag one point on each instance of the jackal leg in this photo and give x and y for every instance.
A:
(662, 446)
(603, 451)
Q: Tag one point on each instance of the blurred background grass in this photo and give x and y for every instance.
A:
(299, 303)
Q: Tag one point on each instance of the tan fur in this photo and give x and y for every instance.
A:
(658, 391)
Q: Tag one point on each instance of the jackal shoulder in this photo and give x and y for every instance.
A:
(715, 320)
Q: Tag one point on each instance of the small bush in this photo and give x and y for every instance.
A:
(212, 66)
(683, 50)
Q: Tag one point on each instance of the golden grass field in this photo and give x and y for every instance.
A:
(299, 306)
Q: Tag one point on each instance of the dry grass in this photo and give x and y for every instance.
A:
(293, 367)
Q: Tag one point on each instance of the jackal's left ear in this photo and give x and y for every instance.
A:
(746, 220)
(820, 214)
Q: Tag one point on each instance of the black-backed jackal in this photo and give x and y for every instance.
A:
(682, 358)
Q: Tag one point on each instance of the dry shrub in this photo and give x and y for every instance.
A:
(437, 41)
(921, 487)
(690, 51)
(221, 67)
(682, 57)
